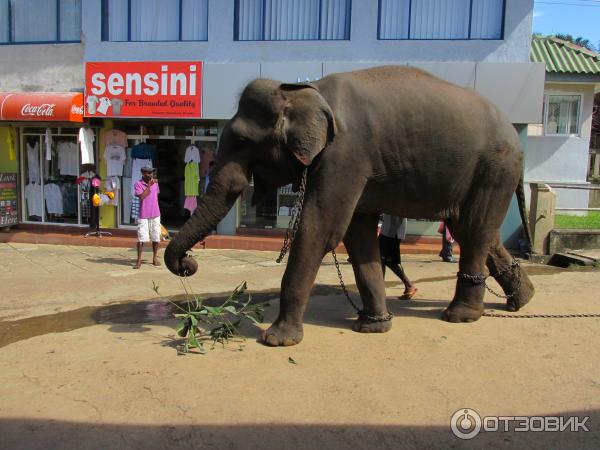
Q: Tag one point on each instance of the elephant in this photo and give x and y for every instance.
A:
(389, 139)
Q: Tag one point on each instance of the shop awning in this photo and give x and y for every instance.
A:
(41, 106)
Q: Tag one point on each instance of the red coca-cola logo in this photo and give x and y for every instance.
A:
(45, 109)
(77, 110)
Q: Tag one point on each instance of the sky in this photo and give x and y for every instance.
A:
(575, 17)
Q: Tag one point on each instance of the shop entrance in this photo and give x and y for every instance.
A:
(167, 147)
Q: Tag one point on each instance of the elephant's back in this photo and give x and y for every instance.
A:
(422, 108)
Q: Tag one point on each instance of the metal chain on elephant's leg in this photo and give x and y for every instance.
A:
(361, 313)
(294, 218)
(480, 279)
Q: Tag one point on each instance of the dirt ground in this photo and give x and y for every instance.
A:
(87, 360)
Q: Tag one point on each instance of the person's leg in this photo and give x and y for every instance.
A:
(446, 253)
(143, 236)
(155, 238)
(155, 259)
(138, 264)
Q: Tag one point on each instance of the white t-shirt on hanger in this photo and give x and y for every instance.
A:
(115, 158)
(86, 140)
(68, 158)
(33, 195)
(192, 154)
(54, 199)
(33, 163)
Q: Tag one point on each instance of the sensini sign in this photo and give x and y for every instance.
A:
(143, 89)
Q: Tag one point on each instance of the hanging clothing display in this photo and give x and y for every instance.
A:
(192, 154)
(68, 158)
(54, 199)
(69, 195)
(115, 158)
(128, 163)
(190, 204)
(85, 186)
(135, 207)
(127, 198)
(143, 151)
(86, 140)
(33, 197)
(33, 163)
(115, 137)
(48, 142)
(192, 178)
(10, 141)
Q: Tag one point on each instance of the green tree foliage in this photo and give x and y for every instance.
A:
(582, 42)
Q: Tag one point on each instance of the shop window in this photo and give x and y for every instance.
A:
(52, 166)
(289, 20)
(273, 211)
(561, 114)
(441, 19)
(40, 21)
(154, 20)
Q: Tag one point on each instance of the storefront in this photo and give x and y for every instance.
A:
(42, 155)
(150, 113)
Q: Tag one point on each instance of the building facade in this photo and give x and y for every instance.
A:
(479, 44)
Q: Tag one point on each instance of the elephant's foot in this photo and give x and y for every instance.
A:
(281, 333)
(522, 295)
(364, 324)
(458, 312)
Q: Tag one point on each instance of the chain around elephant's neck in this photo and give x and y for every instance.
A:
(294, 218)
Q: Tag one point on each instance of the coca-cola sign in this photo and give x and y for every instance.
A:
(41, 106)
(45, 109)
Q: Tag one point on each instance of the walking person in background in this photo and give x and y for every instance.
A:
(447, 244)
(148, 223)
(393, 230)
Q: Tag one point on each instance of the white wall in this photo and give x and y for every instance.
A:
(562, 159)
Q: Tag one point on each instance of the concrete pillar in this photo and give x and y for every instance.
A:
(541, 216)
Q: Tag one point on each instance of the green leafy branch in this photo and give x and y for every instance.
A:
(223, 320)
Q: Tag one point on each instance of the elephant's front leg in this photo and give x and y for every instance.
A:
(300, 273)
(361, 243)
(325, 218)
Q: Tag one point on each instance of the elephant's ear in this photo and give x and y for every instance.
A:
(306, 124)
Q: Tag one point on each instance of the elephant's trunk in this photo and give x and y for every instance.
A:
(226, 185)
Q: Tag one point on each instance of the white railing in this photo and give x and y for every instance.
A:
(568, 186)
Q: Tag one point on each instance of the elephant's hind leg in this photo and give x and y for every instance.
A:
(467, 304)
(361, 243)
(510, 276)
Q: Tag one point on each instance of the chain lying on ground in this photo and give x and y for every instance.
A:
(538, 316)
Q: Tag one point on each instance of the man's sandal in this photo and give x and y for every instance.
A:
(408, 294)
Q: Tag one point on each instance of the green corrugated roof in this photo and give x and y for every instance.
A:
(564, 57)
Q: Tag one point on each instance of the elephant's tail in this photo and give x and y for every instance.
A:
(523, 212)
